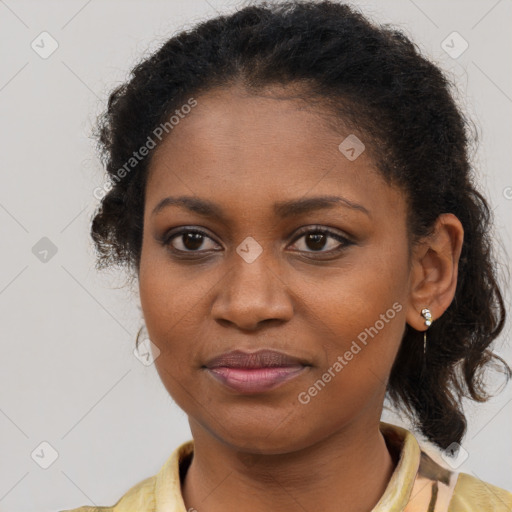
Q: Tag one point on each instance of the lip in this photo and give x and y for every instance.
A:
(255, 372)
(261, 359)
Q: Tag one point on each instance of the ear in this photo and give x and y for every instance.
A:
(434, 268)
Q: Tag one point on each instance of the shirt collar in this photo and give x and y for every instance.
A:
(168, 495)
(399, 488)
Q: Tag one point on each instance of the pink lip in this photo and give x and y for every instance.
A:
(255, 372)
(255, 380)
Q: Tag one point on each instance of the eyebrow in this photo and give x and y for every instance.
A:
(282, 209)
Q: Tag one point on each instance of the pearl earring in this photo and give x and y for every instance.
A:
(427, 315)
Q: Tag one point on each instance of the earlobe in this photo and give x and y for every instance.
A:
(434, 270)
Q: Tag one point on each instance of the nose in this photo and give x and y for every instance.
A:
(252, 294)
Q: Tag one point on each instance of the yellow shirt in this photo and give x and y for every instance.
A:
(418, 484)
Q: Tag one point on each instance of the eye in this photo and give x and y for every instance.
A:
(317, 238)
(188, 240)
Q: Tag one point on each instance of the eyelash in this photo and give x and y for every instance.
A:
(168, 238)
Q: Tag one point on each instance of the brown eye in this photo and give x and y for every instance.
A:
(188, 240)
(192, 241)
(315, 240)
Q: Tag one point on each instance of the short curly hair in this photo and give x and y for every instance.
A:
(374, 80)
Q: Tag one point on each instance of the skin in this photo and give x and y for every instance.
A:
(246, 152)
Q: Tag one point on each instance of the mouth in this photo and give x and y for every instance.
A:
(255, 372)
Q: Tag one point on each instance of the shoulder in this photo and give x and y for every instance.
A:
(162, 489)
(140, 497)
(472, 494)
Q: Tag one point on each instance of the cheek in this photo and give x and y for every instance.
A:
(360, 342)
(176, 316)
(351, 299)
(360, 315)
(167, 314)
(169, 294)
(163, 306)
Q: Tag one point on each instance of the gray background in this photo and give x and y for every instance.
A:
(68, 375)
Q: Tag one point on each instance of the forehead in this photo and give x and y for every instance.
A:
(232, 123)
(246, 148)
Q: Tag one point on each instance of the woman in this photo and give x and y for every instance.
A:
(290, 186)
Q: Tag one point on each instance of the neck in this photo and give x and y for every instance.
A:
(352, 467)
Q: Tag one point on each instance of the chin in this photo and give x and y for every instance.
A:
(257, 441)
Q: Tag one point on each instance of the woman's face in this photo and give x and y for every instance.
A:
(262, 277)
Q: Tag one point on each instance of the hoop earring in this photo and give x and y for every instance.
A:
(427, 315)
(137, 339)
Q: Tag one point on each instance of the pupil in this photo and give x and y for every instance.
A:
(318, 240)
(195, 238)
